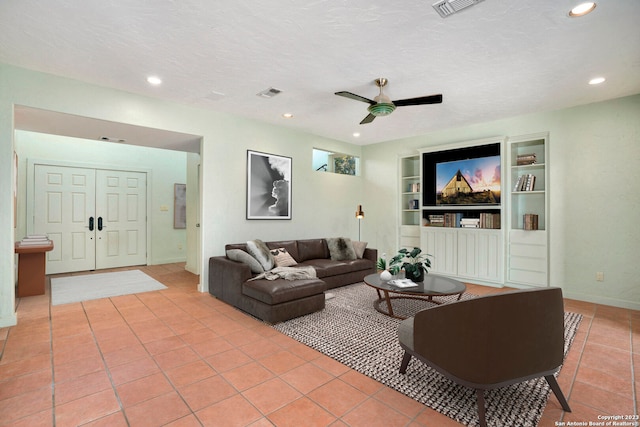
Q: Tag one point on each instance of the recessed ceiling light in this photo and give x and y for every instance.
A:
(287, 115)
(582, 9)
(356, 134)
(154, 80)
(596, 80)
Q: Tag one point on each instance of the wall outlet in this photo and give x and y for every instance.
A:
(179, 246)
(599, 276)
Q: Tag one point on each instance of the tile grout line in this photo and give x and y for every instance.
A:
(164, 373)
(575, 373)
(51, 358)
(104, 363)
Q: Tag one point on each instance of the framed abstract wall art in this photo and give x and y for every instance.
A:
(268, 186)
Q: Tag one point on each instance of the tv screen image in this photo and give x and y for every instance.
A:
(474, 181)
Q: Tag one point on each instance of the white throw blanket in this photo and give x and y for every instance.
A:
(288, 273)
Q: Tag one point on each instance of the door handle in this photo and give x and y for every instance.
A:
(90, 223)
(100, 227)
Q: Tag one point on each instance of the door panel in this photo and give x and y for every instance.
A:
(64, 200)
(121, 202)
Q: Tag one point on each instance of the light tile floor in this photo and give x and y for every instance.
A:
(179, 357)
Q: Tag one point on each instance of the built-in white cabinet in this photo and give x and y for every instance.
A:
(474, 255)
(442, 245)
(528, 207)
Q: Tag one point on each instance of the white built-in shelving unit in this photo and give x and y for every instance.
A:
(528, 249)
(509, 252)
(410, 201)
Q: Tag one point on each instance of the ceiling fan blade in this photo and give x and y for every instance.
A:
(367, 119)
(356, 97)
(431, 99)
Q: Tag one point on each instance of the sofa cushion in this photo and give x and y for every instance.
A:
(243, 257)
(405, 332)
(359, 247)
(260, 251)
(282, 258)
(341, 248)
(280, 290)
(327, 267)
(290, 245)
(312, 249)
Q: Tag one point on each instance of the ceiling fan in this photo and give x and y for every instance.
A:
(381, 105)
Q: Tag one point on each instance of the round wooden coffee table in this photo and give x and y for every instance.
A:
(432, 286)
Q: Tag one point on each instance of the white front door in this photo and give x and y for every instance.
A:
(121, 223)
(96, 218)
(63, 207)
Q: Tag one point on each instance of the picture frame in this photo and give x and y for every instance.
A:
(268, 186)
(179, 206)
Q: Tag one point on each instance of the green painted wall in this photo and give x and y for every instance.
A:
(594, 165)
(594, 159)
(323, 204)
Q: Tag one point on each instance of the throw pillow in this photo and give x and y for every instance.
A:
(261, 252)
(359, 247)
(341, 248)
(282, 258)
(243, 257)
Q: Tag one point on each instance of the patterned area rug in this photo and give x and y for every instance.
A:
(352, 332)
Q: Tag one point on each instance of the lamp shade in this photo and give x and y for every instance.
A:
(359, 212)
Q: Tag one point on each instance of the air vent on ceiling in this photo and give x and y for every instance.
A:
(449, 7)
(111, 139)
(214, 95)
(269, 93)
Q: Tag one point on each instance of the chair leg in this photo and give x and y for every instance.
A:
(553, 383)
(481, 407)
(405, 362)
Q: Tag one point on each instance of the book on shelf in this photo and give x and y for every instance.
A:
(525, 183)
(526, 159)
(435, 220)
(34, 240)
(457, 220)
(414, 204)
(490, 220)
(470, 223)
(530, 221)
(414, 188)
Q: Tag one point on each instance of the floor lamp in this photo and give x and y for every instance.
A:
(359, 215)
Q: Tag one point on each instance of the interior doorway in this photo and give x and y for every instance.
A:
(96, 218)
(47, 122)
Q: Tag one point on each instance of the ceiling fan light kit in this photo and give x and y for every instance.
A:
(381, 105)
(381, 109)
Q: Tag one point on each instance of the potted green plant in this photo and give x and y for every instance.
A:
(414, 263)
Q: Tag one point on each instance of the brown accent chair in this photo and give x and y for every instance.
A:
(491, 341)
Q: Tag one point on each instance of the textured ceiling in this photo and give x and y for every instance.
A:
(497, 59)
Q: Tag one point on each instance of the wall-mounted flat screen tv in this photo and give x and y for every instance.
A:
(472, 181)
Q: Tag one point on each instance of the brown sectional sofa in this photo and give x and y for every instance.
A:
(277, 300)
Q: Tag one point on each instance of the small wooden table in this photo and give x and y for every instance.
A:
(31, 268)
(432, 286)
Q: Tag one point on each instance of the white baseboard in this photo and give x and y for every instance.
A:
(601, 300)
(168, 261)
